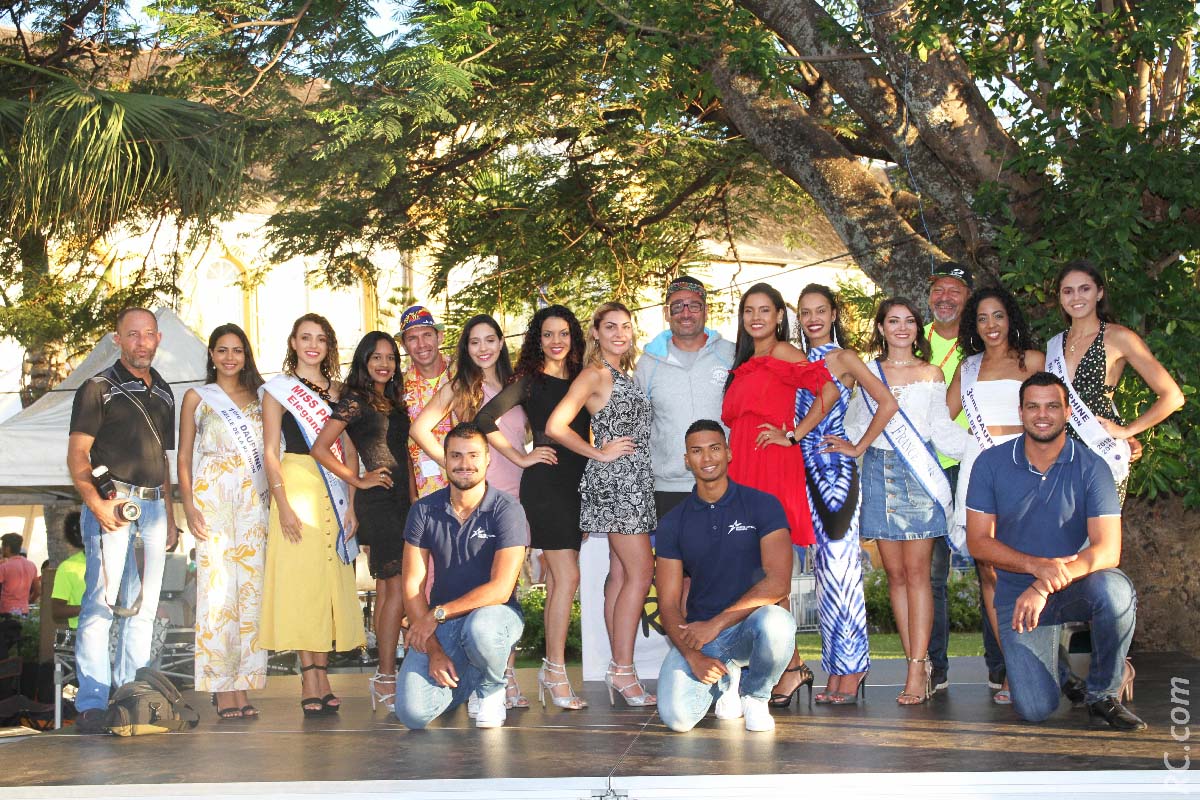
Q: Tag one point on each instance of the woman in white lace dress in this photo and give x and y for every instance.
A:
(905, 495)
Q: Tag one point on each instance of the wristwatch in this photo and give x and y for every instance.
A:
(791, 436)
(439, 614)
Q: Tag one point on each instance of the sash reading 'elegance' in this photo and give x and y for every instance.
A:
(241, 433)
(967, 378)
(311, 413)
(1114, 451)
(904, 438)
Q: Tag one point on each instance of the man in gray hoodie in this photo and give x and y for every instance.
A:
(682, 371)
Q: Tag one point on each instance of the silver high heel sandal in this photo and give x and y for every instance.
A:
(638, 700)
(386, 699)
(571, 701)
(513, 696)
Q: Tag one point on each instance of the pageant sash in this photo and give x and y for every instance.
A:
(967, 377)
(242, 433)
(916, 454)
(1114, 451)
(311, 413)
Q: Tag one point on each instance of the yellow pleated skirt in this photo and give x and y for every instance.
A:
(309, 597)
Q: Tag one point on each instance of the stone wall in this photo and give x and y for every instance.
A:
(1161, 554)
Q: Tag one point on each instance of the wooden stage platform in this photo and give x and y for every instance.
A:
(959, 745)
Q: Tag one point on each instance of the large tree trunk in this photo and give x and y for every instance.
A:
(44, 366)
(882, 242)
(54, 515)
(1160, 549)
(870, 94)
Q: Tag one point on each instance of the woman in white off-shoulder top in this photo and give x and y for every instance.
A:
(904, 493)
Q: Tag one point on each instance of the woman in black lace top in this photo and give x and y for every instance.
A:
(371, 411)
(551, 357)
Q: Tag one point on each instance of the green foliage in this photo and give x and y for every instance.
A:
(962, 590)
(533, 639)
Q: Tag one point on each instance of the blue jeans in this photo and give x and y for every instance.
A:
(939, 575)
(761, 645)
(478, 644)
(111, 578)
(1105, 599)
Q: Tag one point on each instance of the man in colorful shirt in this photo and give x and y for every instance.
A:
(428, 371)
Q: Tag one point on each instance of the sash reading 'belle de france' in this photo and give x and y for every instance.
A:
(967, 377)
(241, 433)
(904, 438)
(1114, 451)
(311, 413)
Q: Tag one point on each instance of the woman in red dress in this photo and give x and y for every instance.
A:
(759, 410)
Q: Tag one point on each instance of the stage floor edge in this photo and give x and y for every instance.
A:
(1141, 784)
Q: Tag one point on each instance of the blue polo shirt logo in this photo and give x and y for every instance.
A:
(481, 533)
(737, 526)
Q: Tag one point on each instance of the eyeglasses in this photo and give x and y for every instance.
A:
(694, 306)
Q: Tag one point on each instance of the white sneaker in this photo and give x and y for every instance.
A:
(729, 704)
(491, 712)
(472, 706)
(757, 714)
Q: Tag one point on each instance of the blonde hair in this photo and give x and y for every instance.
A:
(592, 356)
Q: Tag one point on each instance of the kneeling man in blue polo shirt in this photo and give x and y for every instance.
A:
(1032, 504)
(734, 544)
(476, 537)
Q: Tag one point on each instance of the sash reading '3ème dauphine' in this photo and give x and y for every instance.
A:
(240, 432)
(1115, 452)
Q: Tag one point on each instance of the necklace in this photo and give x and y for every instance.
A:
(895, 363)
(321, 393)
(1080, 338)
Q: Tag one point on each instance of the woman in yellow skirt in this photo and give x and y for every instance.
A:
(309, 599)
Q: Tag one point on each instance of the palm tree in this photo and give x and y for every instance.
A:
(77, 161)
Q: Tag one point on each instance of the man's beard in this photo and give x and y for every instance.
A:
(1044, 437)
(943, 317)
(465, 483)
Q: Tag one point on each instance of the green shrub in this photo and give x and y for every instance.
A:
(533, 639)
(962, 589)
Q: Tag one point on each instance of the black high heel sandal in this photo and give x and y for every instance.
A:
(305, 702)
(806, 679)
(326, 702)
(233, 712)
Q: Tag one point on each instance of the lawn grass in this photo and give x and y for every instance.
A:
(883, 645)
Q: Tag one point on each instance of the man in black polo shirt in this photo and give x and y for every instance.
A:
(476, 537)
(734, 544)
(1032, 504)
(122, 419)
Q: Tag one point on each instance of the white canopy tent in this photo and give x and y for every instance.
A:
(33, 443)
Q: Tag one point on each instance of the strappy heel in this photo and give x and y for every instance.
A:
(1125, 693)
(513, 696)
(384, 698)
(639, 700)
(839, 699)
(327, 702)
(570, 701)
(909, 699)
(806, 679)
(311, 706)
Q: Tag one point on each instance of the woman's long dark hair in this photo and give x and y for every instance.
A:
(248, 377)
(532, 360)
(743, 347)
(360, 380)
(467, 383)
(839, 332)
(1103, 310)
(1019, 337)
(329, 367)
(879, 345)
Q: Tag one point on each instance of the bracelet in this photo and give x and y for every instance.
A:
(1045, 595)
(276, 485)
(791, 437)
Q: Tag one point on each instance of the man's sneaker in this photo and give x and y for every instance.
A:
(729, 704)
(939, 679)
(94, 720)
(472, 706)
(1115, 714)
(996, 678)
(491, 713)
(757, 714)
